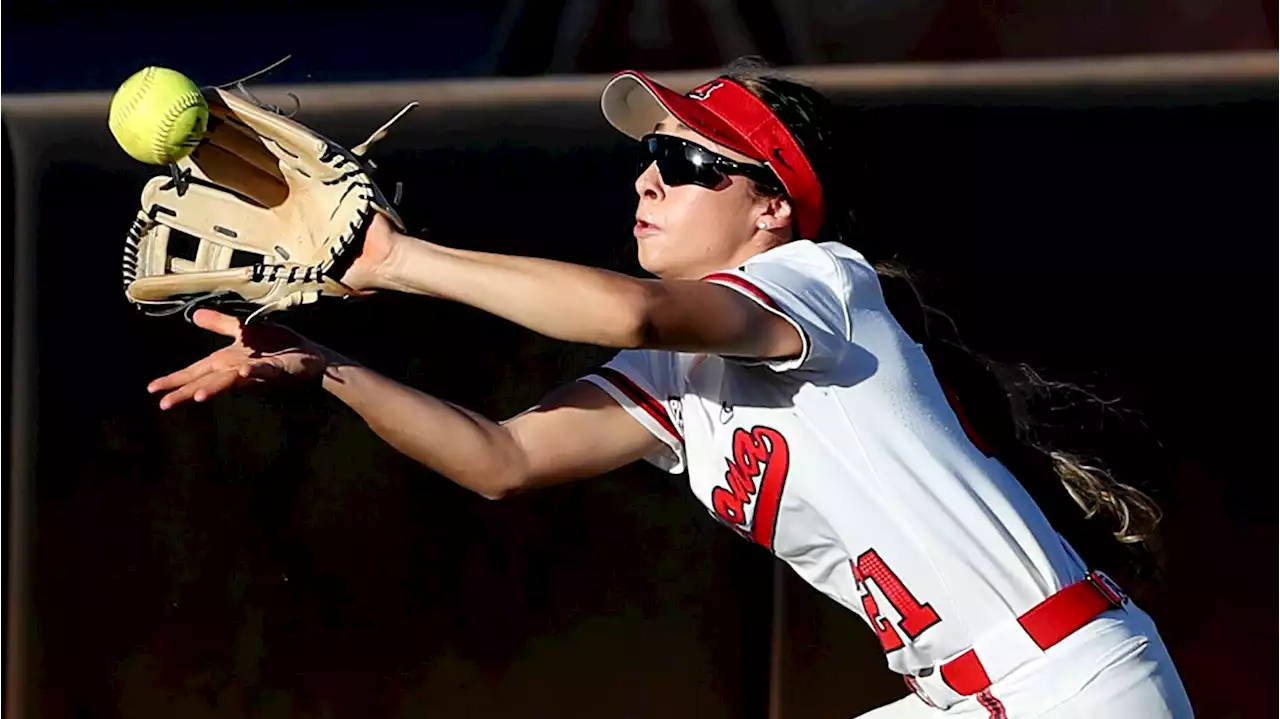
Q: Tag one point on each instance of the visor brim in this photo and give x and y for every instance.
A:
(635, 104)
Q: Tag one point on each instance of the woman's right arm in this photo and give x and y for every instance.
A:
(575, 432)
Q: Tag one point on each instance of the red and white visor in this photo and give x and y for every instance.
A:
(727, 113)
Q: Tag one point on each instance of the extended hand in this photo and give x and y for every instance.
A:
(259, 354)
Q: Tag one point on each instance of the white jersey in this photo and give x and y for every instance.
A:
(849, 463)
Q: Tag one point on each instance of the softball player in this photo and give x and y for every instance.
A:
(764, 363)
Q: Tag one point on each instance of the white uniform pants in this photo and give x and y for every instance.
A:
(1116, 667)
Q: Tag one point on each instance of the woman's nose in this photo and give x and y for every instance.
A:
(649, 183)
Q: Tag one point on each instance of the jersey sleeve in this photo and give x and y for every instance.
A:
(804, 285)
(646, 384)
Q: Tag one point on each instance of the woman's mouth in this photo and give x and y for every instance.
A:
(644, 228)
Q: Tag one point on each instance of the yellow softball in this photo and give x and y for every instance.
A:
(158, 115)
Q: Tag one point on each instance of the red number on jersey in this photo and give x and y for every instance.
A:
(916, 617)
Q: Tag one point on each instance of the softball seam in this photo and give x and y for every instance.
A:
(132, 105)
(186, 102)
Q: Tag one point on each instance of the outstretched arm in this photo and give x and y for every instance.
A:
(577, 431)
(576, 303)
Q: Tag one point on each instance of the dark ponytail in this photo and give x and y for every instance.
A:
(1003, 403)
(998, 399)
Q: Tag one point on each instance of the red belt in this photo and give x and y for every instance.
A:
(1047, 623)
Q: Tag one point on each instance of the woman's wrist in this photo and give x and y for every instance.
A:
(387, 275)
(396, 271)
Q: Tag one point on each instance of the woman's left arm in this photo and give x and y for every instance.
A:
(581, 304)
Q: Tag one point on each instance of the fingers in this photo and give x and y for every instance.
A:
(215, 321)
(183, 376)
(202, 388)
(204, 385)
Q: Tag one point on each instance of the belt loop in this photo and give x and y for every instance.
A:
(914, 685)
(933, 689)
(1108, 588)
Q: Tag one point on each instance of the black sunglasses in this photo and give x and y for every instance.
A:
(681, 162)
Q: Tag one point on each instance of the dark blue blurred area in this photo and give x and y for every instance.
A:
(58, 45)
(61, 46)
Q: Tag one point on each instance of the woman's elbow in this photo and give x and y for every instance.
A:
(501, 483)
(509, 474)
(494, 495)
(498, 478)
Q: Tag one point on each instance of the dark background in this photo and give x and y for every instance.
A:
(269, 556)
(54, 45)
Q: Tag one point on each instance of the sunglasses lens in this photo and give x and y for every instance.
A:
(681, 163)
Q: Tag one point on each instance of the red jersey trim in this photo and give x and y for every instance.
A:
(744, 285)
(641, 398)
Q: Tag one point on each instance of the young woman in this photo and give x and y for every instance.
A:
(765, 362)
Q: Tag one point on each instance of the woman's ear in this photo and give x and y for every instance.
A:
(775, 215)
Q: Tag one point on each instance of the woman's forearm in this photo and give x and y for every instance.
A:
(556, 299)
(469, 449)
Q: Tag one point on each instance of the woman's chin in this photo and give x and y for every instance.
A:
(651, 258)
(662, 258)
